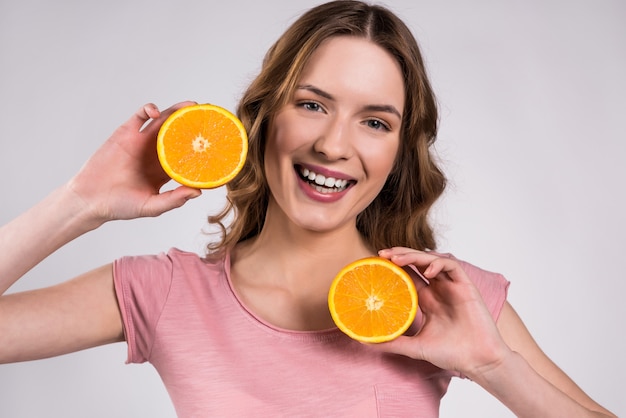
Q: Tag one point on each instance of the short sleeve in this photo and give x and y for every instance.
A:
(142, 285)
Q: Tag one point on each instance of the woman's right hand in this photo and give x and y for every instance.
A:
(122, 180)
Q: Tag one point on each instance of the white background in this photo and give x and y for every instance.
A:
(532, 137)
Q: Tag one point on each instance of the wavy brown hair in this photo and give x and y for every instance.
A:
(398, 216)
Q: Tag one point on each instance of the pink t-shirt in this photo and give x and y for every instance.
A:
(217, 359)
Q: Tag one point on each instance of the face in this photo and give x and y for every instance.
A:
(331, 147)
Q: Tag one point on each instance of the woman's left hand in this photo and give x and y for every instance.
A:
(458, 332)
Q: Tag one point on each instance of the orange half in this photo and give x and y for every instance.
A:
(202, 146)
(373, 300)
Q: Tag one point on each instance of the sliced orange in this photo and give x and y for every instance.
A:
(202, 146)
(373, 300)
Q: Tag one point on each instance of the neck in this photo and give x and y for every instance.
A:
(298, 258)
(280, 239)
(284, 273)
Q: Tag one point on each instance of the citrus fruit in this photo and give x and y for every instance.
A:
(202, 146)
(373, 300)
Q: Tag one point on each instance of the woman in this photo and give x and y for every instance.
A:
(340, 120)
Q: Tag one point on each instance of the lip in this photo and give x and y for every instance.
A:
(313, 194)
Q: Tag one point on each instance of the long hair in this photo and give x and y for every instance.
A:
(398, 216)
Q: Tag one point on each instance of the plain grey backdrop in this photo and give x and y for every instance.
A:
(532, 137)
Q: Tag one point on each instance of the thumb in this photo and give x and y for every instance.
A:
(172, 199)
(403, 345)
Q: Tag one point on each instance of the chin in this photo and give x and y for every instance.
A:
(319, 224)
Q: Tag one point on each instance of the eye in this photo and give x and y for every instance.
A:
(312, 106)
(378, 125)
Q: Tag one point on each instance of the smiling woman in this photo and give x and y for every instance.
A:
(341, 166)
(330, 129)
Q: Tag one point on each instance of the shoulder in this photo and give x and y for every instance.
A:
(172, 257)
(174, 265)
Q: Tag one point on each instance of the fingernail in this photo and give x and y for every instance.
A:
(193, 196)
(428, 270)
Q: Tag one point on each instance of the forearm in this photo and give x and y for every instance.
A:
(40, 231)
(526, 393)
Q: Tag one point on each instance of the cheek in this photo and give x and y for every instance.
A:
(381, 158)
(270, 153)
(281, 140)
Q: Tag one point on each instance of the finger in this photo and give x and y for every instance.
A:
(142, 115)
(155, 124)
(151, 110)
(445, 268)
(397, 251)
(429, 264)
(172, 199)
(180, 105)
(167, 112)
(403, 345)
(405, 256)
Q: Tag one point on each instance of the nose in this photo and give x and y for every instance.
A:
(334, 142)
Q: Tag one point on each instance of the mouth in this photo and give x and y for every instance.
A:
(321, 183)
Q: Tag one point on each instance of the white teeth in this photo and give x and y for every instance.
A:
(324, 184)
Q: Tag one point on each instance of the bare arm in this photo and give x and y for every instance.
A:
(459, 334)
(541, 376)
(40, 231)
(122, 180)
(68, 317)
(71, 316)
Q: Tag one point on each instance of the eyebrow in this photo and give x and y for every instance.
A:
(372, 108)
(384, 108)
(317, 91)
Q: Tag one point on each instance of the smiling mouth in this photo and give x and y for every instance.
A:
(322, 183)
